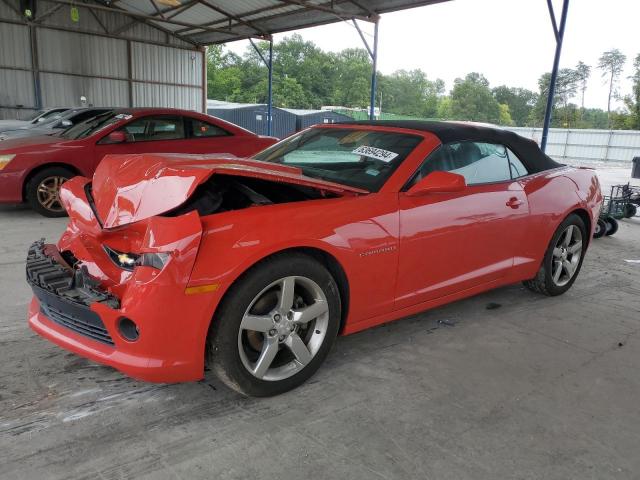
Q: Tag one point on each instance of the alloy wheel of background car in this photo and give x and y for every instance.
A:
(43, 191)
(49, 193)
(275, 326)
(283, 328)
(562, 260)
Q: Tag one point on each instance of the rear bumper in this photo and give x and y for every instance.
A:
(11, 186)
(81, 317)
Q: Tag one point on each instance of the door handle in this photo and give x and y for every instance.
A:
(514, 202)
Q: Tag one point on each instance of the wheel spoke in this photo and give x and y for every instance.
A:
(568, 267)
(269, 351)
(298, 348)
(568, 236)
(558, 271)
(311, 312)
(575, 248)
(258, 323)
(287, 290)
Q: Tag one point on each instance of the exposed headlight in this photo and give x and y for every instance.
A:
(124, 260)
(128, 261)
(155, 260)
(5, 159)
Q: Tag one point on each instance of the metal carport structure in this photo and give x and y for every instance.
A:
(205, 22)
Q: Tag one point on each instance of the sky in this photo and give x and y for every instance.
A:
(509, 41)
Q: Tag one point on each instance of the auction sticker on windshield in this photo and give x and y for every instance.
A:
(377, 153)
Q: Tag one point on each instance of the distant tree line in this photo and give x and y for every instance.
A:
(304, 76)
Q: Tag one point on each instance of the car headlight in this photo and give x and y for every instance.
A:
(128, 261)
(5, 159)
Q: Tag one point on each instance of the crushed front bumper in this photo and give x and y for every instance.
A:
(70, 309)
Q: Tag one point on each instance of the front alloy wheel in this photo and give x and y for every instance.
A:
(275, 326)
(283, 328)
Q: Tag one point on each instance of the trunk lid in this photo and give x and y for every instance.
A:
(130, 188)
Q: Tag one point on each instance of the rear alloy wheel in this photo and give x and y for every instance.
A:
(275, 326)
(43, 191)
(563, 259)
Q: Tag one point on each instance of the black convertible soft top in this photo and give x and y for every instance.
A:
(527, 150)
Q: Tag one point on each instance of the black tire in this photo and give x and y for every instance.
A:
(612, 226)
(630, 210)
(601, 229)
(543, 282)
(223, 344)
(45, 177)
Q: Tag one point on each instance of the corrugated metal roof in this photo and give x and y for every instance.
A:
(208, 22)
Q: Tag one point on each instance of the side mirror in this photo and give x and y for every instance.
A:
(117, 136)
(65, 124)
(438, 181)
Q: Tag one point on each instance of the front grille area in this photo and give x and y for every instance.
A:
(89, 324)
(65, 293)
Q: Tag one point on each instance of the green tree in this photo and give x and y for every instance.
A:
(411, 93)
(633, 101)
(471, 100)
(519, 100)
(566, 89)
(505, 115)
(353, 77)
(583, 72)
(611, 63)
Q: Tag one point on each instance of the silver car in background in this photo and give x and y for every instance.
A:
(39, 117)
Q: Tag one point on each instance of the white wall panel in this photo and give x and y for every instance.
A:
(65, 90)
(165, 64)
(15, 50)
(587, 145)
(153, 95)
(16, 88)
(84, 54)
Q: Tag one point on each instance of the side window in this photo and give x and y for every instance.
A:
(477, 162)
(148, 129)
(516, 166)
(199, 129)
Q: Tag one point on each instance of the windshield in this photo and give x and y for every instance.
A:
(358, 158)
(94, 124)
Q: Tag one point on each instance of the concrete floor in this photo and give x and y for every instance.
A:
(537, 388)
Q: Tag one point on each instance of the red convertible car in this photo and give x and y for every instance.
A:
(32, 169)
(254, 266)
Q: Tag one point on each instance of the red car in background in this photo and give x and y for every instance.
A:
(33, 169)
(255, 265)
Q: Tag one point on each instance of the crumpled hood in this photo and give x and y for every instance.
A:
(130, 188)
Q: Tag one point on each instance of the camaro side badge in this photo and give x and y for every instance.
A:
(378, 250)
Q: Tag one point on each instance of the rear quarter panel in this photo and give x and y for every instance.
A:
(552, 196)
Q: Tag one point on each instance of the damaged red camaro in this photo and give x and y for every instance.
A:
(254, 266)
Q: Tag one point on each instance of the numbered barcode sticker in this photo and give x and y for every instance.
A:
(377, 153)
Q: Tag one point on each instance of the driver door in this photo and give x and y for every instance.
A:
(451, 242)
